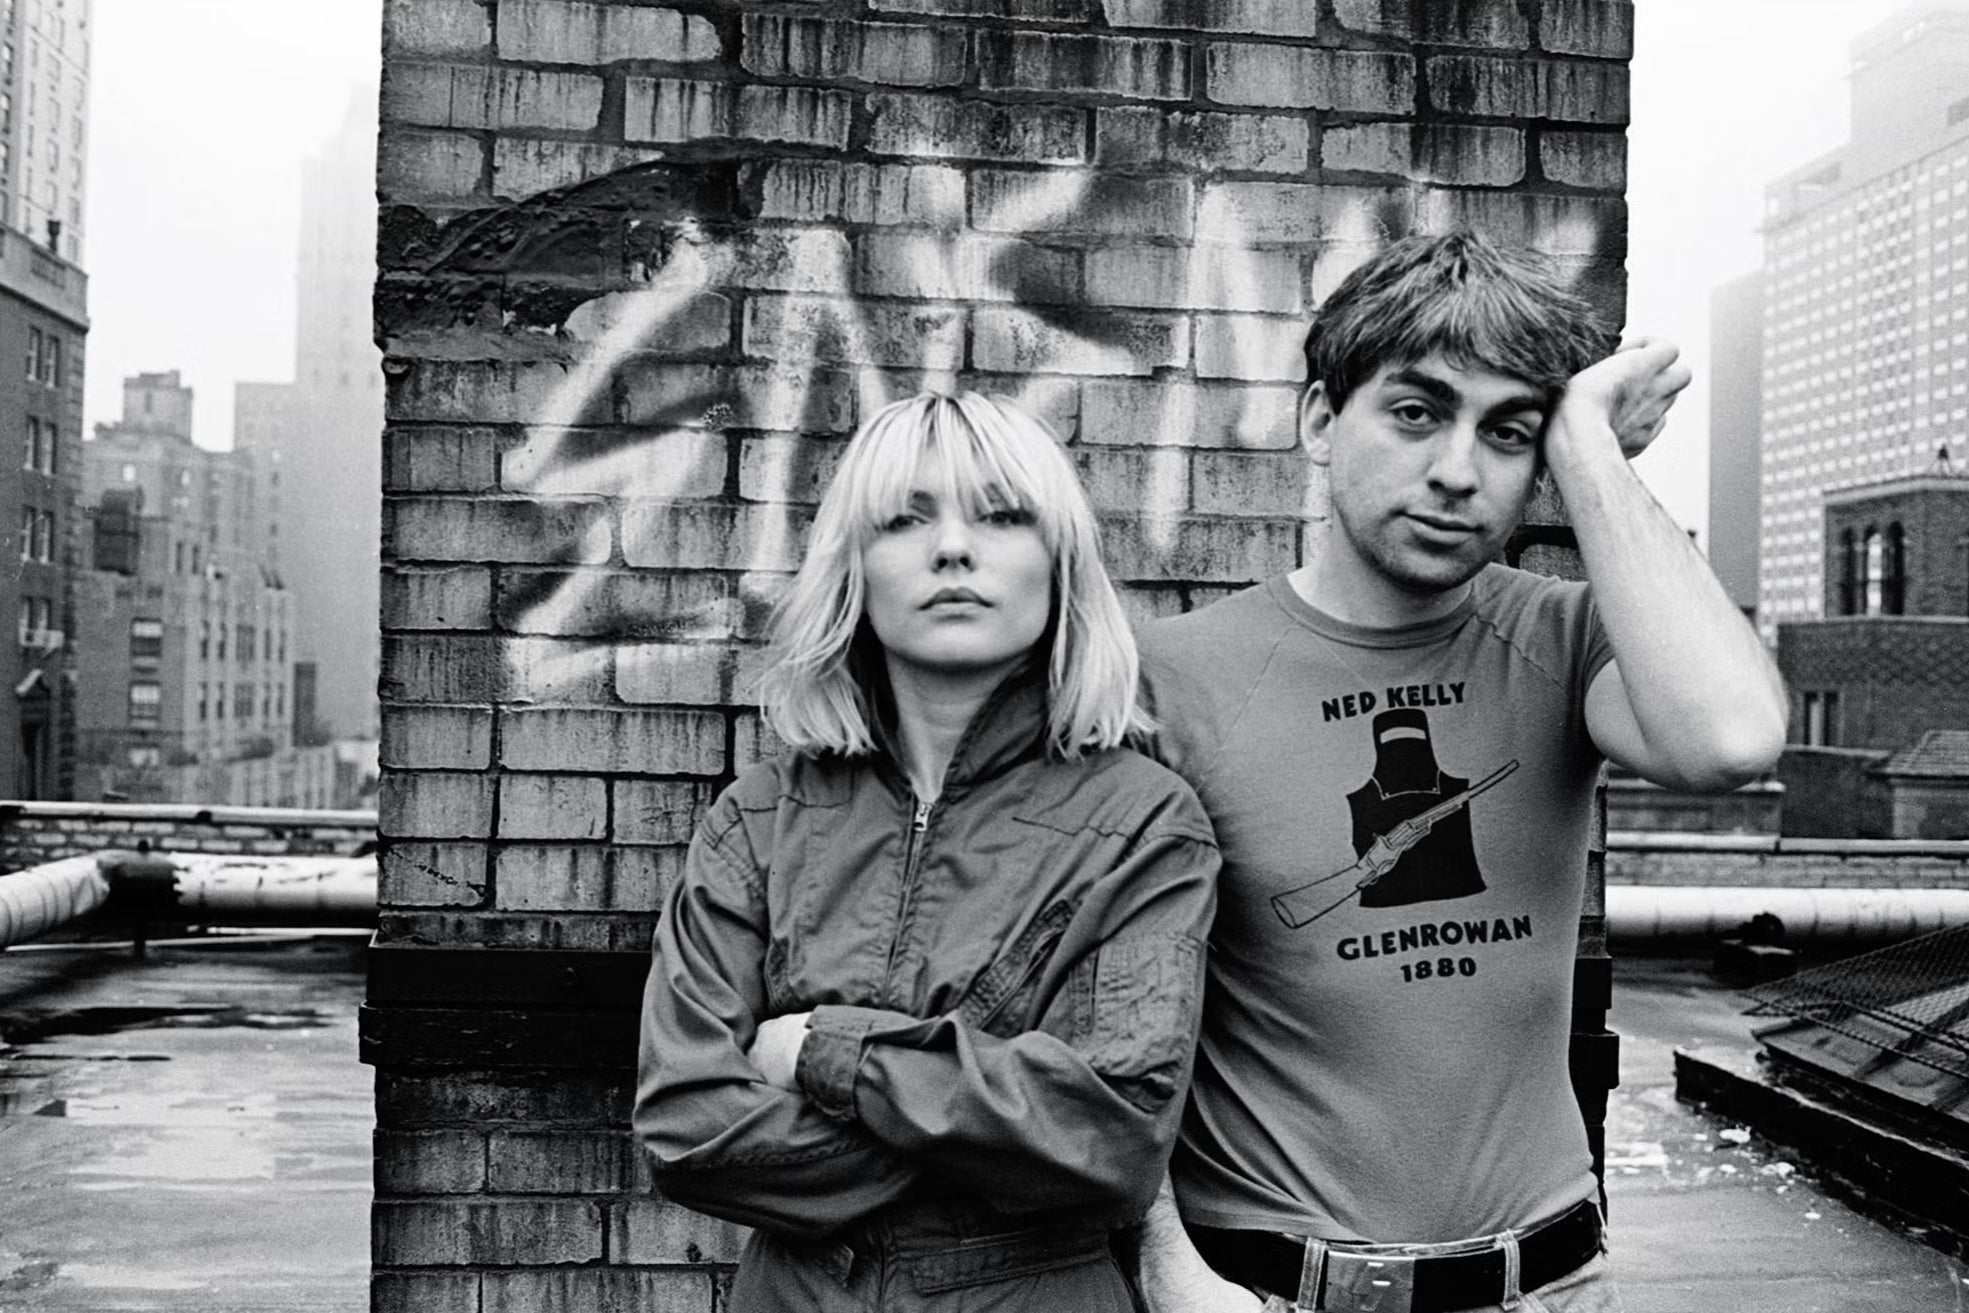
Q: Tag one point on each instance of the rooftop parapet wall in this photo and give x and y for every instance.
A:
(36, 832)
(644, 267)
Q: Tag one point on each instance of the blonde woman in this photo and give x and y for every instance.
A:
(923, 1001)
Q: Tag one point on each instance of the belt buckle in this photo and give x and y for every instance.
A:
(1368, 1283)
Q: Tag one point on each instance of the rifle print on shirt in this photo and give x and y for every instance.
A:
(1411, 829)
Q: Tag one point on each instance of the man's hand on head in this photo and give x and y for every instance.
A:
(1633, 389)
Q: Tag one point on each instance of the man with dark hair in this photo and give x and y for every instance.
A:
(1399, 744)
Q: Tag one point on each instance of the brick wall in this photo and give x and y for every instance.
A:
(1832, 792)
(1635, 804)
(1932, 512)
(643, 266)
(1896, 677)
(36, 832)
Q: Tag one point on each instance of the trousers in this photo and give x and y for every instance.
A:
(903, 1270)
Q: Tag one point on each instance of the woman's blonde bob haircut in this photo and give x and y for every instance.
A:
(819, 687)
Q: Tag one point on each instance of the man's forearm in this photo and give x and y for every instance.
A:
(1172, 1276)
(1704, 695)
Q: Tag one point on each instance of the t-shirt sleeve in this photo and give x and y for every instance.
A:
(1595, 652)
(1185, 731)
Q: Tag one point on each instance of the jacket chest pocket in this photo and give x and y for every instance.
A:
(1000, 1001)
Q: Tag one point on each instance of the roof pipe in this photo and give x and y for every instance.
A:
(214, 889)
(45, 897)
(1685, 914)
(188, 888)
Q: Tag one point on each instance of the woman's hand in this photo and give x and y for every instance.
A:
(775, 1049)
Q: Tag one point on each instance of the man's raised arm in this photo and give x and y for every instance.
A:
(1691, 699)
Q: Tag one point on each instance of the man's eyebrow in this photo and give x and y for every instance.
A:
(1421, 381)
(1446, 393)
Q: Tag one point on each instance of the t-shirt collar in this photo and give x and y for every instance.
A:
(1304, 613)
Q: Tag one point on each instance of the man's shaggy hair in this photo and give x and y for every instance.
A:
(1459, 296)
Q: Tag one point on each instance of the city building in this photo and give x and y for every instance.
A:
(1866, 298)
(44, 116)
(42, 324)
(44, 61)
(1880, 685)
(1889, 661)
(263, 426)
(183, 651)
(331, 538)
(1736, 363)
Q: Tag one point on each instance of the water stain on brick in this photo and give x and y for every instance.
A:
(541, 258)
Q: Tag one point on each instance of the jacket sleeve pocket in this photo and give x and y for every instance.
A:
(1141, 1014)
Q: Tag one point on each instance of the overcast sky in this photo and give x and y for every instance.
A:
(202, 111)
(1727, 95)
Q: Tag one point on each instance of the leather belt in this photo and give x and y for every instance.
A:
(1384, 1280)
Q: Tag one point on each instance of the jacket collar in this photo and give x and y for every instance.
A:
(1009, 727)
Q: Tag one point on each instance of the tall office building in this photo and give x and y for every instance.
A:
(1866, 322)
(1736, 363)
(330, 537)
(263, 426)
(44, 102)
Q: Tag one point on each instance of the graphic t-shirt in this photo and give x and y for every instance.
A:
(1404, 817)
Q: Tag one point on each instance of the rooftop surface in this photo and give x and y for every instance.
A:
(192, 1132)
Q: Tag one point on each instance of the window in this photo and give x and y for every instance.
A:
(243, 644)
(41, 447)
(35, 616)
(1849, 573)
(1821, 719)
(146, 702)
(204, 637)
(146, 639)
(33, 354)
(1876, 564)
(1893, 582)
(37, 534)
(242, 701)
(51, 361)
(204, 707)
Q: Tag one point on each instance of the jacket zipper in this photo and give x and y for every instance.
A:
(918, 823)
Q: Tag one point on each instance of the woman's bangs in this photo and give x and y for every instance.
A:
(973, 455)
(884, 474)
(979, 477)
